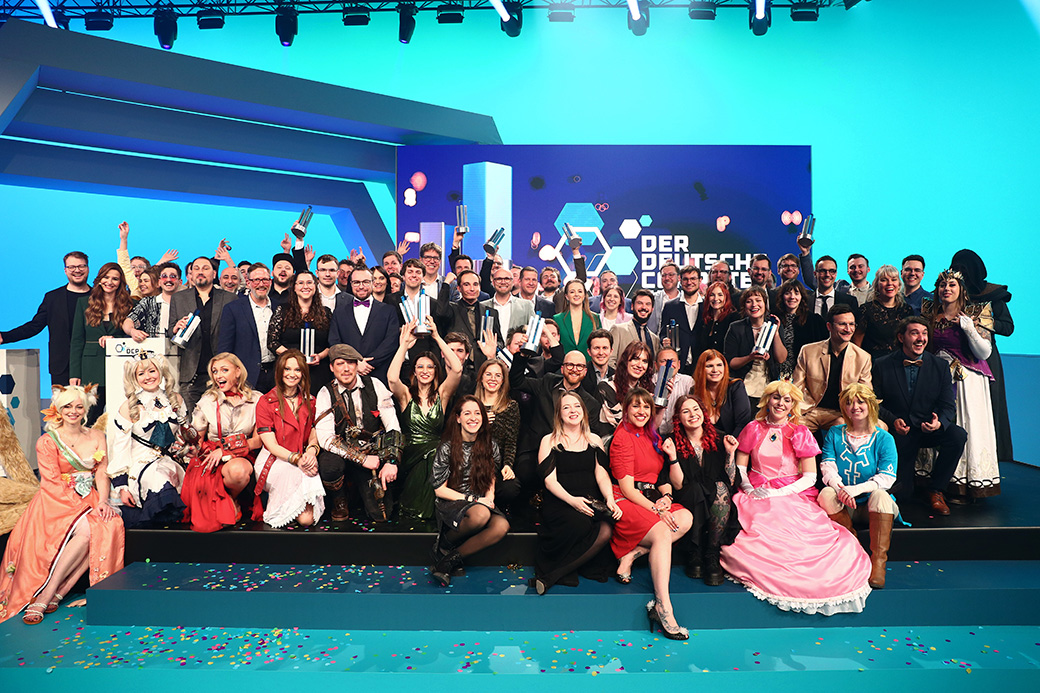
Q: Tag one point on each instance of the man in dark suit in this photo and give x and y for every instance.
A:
(684, 310)
(368, 325)
(209, 301)
(529, 290)
(466, 315)
(243, 329)
(919, 409)
(827, 294)
(55, 313)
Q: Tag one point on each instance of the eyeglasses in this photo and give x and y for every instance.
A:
(361, 282)
(431, 257)
(910, 270)
(75, 268)
(575, 366)
(168, 276)
(788, 265)
(503, 279)
(826, 271)
(264, 280)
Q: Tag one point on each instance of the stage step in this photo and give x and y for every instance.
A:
(388, 598)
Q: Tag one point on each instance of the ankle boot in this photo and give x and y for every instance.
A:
(713, 574)
(695, 564)
(880, 539)
(444, 568)
(843, 519)
(337, 499)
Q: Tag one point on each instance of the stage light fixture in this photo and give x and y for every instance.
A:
(99, 20)
(702, 9)
(638, 16)
(406, 25)
(512, 27)
(849, 4)
(561, 12)
(286, 24)
(449, 14)
(500, 7)
(210, 18)
(165, 25)
(760, 16)
(356, 15)
(61, 20)
(805, 12)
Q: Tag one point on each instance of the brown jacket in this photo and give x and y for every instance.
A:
(814, 365)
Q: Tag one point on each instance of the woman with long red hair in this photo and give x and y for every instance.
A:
(723, 399)
(717, 315)
(99, 316)
(464, 483)
(702, 472)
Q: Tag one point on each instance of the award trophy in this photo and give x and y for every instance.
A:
(299, 227)
(491, 247)
(505, 357)
(765, 338)
(664, 374)
(534, 333)
(461, 220)
(307, 341)
(486, 323)
(673, 335)
(422, 310)
(572, 236)
(181, 338)
(805, 238)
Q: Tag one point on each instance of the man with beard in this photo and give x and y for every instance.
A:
(529, 291)
(669, 290)
(243, 329)
(368, 325)
(327, 268)
(208, 301)
(859, 288)
(282, 272)
(720, 272)
(55, 313)
(637, 328)
(684, 311)
(230, 279)
(467, 315)
(151, 316)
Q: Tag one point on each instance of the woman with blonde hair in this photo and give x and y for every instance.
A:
(825, 570)
(69, 527)
(579, 510)
(225, 419)
(576, 321)
(144, 467)
(884, 310)
(859, 467)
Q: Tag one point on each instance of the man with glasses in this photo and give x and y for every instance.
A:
(685, 311)
(368, 325)
(512, 312)
(243, 329)
(720, 272)
(55, 313)
(827, 294)
(151, 316)
(430, 256)
(327, 271)
(669, 291)
(912, 274)
(607, 281)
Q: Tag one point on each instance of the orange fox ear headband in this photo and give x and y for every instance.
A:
(63, 394)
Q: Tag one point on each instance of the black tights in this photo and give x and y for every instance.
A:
(718, 515)
(605, 531)
(479, 529)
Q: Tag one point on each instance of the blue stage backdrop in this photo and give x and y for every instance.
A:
(634, 206)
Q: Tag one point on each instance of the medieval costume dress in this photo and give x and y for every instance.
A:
(141, 463)
(789, 553)
(66, 497)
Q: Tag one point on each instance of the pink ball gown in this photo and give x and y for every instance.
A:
(789, 553)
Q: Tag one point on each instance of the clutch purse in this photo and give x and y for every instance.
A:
(236, 445)
(600, 510)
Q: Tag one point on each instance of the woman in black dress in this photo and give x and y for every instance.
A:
(716, 317)
(755, 369)
(702, 471)
(573, 533)
(799, 325)
(463, 480)
(300, 311)
(882, 314)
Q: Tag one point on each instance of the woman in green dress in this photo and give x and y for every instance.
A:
(421, 404)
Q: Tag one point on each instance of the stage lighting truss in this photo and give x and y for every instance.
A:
(99, 15)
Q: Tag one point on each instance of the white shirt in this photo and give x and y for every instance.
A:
(262, 316)
(361, 314)
(329, 301)
(164, 314)
(504, 312)
(325, 429)
(692, 311)
(818, 306)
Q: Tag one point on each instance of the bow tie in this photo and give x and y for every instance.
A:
(367, 303)
(908, 362)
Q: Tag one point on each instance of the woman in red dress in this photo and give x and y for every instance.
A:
(650, 522)
(69, 526)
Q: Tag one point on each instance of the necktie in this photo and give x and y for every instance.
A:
(824, 300)
(351, 411)
(367, 303)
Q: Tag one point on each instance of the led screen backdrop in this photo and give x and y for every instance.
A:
(634, 206)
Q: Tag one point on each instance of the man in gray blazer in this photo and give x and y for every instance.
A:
(512, 311)
(209, 301)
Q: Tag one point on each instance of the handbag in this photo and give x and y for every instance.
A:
(600, 510)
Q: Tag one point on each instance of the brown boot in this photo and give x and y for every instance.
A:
(843, 519)
(337, 498)
(880, 539)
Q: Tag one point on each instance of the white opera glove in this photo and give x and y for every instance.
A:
(857, 490)
(980, 346)
(805, 482)
(745, 485)
(763, 492)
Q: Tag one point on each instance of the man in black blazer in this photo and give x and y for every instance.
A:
(529, 290)
(209, 301)
(368, 325)
(466, 315)
(827, 295)
(685, 311)
(919, 409)
(55, 313)
(243, 329)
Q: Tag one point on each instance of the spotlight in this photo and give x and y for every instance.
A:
(515, 23)
(61, 20)
(98, 20)
(165, 25)
(449, 14)
(561, 12)
(355, 15)
(638, 16)
(702, 9)
(760, 16)
(805, 12)
(210, 18)
(406, 27)
(286, 24)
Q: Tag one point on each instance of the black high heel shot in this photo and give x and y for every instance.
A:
(656, 617)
